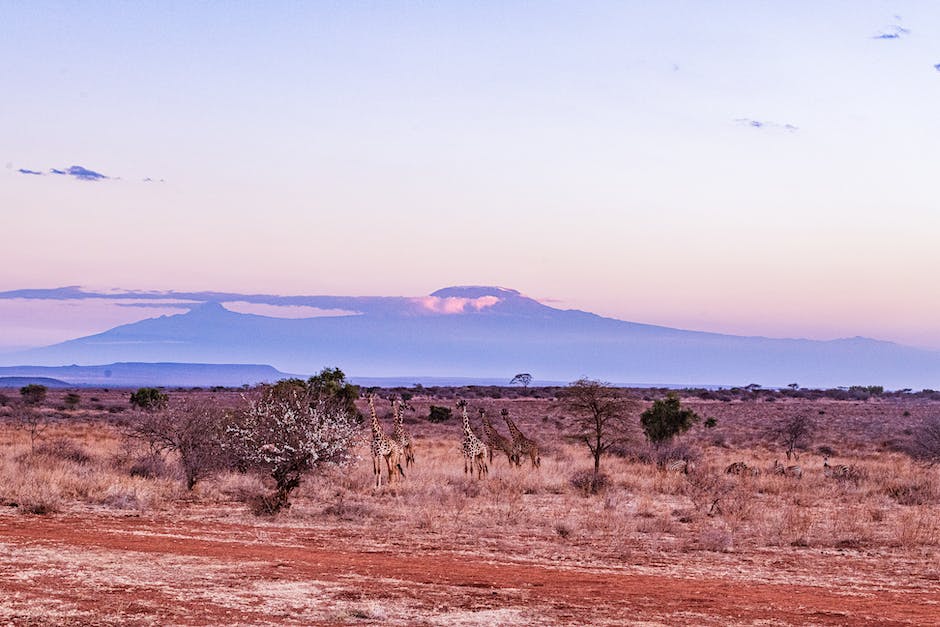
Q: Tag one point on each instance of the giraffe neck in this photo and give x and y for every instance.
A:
(466, 422)
(376, 429)
(516, 434)
(398, 412)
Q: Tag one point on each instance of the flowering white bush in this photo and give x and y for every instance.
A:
(284, 435)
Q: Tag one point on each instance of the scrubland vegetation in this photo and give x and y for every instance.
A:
(666, 499)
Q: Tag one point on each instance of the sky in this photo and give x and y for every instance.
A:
(756, 168)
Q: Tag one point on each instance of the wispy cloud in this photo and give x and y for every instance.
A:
(895, 31)
(82, 173)
(763, 124)
(937, 67)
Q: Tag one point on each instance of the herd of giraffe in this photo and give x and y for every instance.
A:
(397, 450)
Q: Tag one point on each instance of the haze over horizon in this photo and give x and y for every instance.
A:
(748, 169)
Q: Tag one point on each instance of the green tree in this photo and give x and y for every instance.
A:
(149, 399)
(33, 394)
(439, 414)
(331, 388)
(666, 419)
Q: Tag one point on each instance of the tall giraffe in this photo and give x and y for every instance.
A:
(521, 445)
(383, 446)
(474, 450)
(495, 440)
(403, 439)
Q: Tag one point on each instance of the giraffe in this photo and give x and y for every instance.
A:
(399, 435)
(496, 441)
(521, 445)
(383, 446)
(474, 450)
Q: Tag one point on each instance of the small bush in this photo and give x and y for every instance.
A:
(584, 481)
(919, 492)
(149, 399)
(149, 467)
(72, 400)
(679, 451)
(63, 448)
(439, 414)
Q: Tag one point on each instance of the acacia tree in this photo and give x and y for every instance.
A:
(793, 432)
(284, 434)
(599, 418)
(523, 378)
(192, 430)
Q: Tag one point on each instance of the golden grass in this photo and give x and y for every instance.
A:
(893, 503)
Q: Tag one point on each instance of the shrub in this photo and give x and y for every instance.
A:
(72, 400)
(925, 445)
(63, 448)
(149, 399)
(151, 466)
(918, 492)
(439, 414)
(283, 435)
(33, 394)
(586, 482)
(192, 431)
(679, 451)
(666, 419)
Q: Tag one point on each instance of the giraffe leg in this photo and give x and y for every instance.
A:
(388, 463)
(377, 471)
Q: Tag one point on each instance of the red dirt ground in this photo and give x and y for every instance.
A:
(44, 559)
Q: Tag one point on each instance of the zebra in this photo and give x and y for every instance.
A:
(787, 471)
(740, 468)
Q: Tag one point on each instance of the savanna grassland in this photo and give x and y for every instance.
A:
(94, 529)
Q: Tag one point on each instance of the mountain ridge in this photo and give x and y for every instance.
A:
(490, 332)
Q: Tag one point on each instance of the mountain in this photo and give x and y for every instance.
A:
(18, 382)
(143, 374)
(491, 332)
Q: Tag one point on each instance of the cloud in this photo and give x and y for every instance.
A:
(894, 31)
(82, 173)
(937, 67)
(760, 124)
(455, 304)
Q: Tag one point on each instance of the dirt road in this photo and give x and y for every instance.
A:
(81, 570)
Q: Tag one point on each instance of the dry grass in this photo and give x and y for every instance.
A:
(644, 514)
